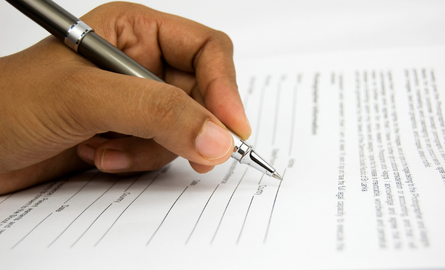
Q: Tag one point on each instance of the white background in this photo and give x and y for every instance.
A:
(276, 27)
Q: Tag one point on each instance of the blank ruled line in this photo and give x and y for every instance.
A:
(7, 198)
(249, 92)
(91, 225)
(82, 213)
(149, 184)
(166, 215)
(137, 178)
(244, 222)
(199, 218)
(260, 109)
(94, 176)
(259, 118)
(273, 207)
(31, 231)
(277, 107)
(227, 205)
(294, 106)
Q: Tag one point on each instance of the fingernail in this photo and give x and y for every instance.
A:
(214, 141)
(86, 152)
(114, 160)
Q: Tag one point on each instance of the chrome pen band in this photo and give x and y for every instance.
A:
(241, 149)
(76, 33)
(244, 154)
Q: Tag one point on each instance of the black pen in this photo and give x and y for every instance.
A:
(81, 38)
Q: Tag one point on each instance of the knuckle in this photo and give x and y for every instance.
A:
(221, 39)
(225, 38)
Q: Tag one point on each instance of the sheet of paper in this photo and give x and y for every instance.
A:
(358, 137)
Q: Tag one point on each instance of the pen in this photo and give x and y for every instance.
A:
(82, 39)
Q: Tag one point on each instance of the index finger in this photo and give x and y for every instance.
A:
(209, 54)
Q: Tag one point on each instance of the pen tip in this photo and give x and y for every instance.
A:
(277, 176)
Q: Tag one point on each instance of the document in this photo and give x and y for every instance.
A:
(358, 137)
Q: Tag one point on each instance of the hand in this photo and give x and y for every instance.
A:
(55, 103)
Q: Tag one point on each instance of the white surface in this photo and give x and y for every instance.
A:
(273, 27)
(321, 216)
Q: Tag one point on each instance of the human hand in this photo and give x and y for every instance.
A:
(54, 102)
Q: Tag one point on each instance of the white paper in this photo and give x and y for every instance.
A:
(358, 137)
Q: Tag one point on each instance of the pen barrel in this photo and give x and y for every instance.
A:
(59, 23)
(47, 14)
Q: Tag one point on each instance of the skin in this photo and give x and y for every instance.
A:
(61, 114)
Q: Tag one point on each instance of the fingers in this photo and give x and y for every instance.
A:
(71, 100)
(129, 154)
(209, 54)
(154, 39)
(201, 168)
(192, 57)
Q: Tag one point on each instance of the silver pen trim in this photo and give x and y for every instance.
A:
(76, 33)
(243, 152)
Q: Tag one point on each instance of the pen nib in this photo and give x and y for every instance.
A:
(277, 176)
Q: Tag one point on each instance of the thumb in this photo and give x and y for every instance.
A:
(153, 110)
